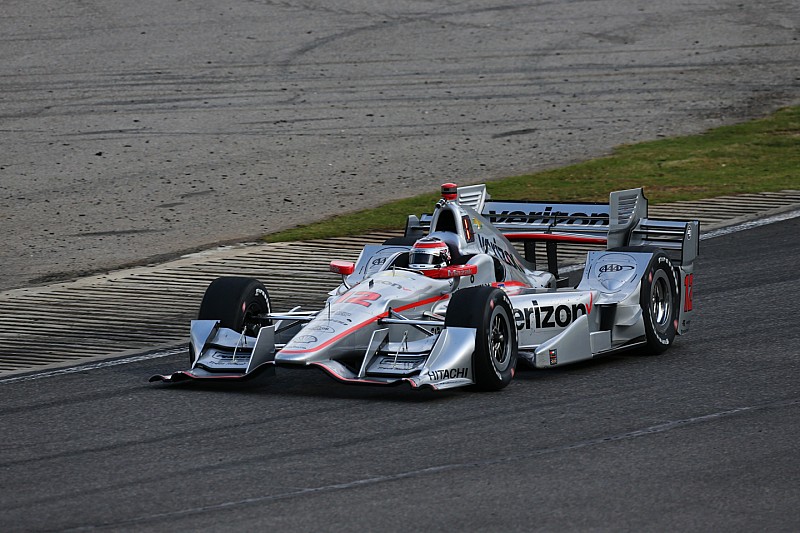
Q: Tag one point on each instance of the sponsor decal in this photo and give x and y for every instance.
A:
(324, 329)
(390, 363)
(549, 316)
(614, 270)
(224, 358)
(613, 267)
(392, 284)
(302, 339)
(452, 373)
(489, 245)
(260, 292)
(449, 272)
(548, 216)
(553, 357)
(375, 262)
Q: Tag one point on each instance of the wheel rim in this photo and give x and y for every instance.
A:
(661, 301)
(250, 320)
(500, 340)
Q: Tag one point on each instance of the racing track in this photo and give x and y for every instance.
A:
(703, 438)
(142, 129)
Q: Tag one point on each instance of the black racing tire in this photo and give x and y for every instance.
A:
(659, 298)
(660, 302)
(236, 302)
(489, 311)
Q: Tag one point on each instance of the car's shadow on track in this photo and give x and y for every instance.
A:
(312, 383)
(525, 372)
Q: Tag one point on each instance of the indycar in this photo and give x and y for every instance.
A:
(454, 303)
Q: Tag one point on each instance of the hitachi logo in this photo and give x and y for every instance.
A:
(548, 216)
(452, 373)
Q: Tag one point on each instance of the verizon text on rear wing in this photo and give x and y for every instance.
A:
(623, 221)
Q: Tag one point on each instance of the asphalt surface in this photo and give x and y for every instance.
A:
(133, 131)
(702, 438)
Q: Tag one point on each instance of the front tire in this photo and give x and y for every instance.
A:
(489, 311)
(236, 302)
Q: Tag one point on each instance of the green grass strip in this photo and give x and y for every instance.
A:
(756, 156)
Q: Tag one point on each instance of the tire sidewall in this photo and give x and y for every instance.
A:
(659, 338)
(231, 299)
(477, 307)
(499, 306)
(255, 301)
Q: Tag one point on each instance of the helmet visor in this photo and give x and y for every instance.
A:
(425, 258)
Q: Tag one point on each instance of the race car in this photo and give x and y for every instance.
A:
(453, 303)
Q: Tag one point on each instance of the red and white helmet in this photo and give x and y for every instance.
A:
(429, 252)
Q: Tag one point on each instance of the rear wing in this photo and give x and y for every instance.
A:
(621, 222)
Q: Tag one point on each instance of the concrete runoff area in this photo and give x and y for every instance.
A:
(133, 132)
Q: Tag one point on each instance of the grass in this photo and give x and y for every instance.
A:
(756, 156)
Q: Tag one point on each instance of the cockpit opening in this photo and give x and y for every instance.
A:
(446, 221)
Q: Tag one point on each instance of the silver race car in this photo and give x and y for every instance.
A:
(453, 303)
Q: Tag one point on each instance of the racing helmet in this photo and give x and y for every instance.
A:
(429, 252)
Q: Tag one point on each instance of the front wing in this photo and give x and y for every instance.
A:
(220, 354)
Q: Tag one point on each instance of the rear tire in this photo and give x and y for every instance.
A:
(236, 302)
(489, 311)
(659, 299)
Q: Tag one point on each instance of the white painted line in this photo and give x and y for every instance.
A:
(438, 469)
(94, 366)
(750, 225)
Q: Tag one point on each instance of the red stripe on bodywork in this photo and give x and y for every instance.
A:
(421, 302)
(367, 322)
(501, 284)
(554, 237)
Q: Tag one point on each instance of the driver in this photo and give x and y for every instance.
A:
(429, 252)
